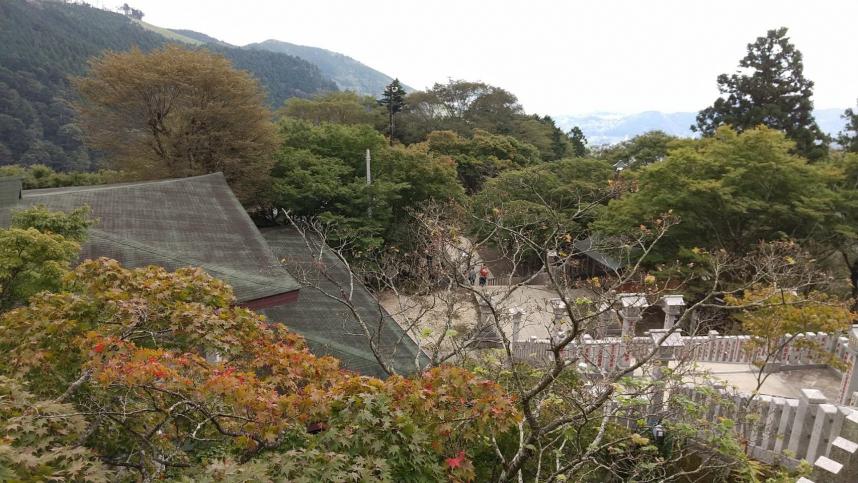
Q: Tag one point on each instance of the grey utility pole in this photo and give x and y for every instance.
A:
(368, 182)
(368, 172)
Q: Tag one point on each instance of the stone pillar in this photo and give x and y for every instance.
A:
(805, 419)
(668, 347)
(849, 383)
(785, 425)
(603, 321)
(658, 392)
(821, 437)
(515, 314)
(845, 452)
(553, 262)
(770, 430)
(559, 316)
(485, 310)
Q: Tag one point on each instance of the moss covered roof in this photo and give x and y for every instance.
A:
(175, 223)
(327, 324)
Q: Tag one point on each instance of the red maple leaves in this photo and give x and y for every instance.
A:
(456, 462)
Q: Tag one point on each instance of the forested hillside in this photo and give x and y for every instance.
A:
(45, 42)
(348, 73)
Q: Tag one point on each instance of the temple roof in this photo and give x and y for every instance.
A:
(175, 223)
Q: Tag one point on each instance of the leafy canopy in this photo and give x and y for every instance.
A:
(336, 107)
(175, 112)
(320, 171)
(848, 138)
(770, 89)
(174, 380)
(730, 191)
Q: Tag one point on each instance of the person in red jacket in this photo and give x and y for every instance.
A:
(484, 275)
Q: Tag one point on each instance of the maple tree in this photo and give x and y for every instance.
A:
(173, 379)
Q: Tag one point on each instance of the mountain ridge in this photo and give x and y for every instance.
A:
(45, 42)
(610, 128)
(348, 73)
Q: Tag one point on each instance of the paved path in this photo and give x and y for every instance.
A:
(787, 383)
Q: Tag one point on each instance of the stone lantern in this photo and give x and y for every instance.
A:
(673, 305)
(632, 306)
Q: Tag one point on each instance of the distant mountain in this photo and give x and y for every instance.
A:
(611, 128)
(348, 73)
(44, 42)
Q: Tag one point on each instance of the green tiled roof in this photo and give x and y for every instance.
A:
(329, 326)
(176, 223)
(198, 221)
(10, 190)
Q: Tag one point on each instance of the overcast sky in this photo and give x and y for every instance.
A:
(569, 57)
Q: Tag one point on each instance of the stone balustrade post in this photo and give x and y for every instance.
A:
(515, 315)
(849, 383)
(821, 435)
(805, 419)
(604, 321)
(770, 430)
(558, 317)
(786, 425)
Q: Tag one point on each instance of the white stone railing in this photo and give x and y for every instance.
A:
(784, 431)
(612, 352)
(777, 430)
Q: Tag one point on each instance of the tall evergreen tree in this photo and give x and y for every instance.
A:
(579, 142)
(848, 137)
(769, 89)
(393, 99)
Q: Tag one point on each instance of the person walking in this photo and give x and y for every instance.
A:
(472, 276)
(484, 275)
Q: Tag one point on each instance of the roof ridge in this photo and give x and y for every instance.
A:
(111, 186)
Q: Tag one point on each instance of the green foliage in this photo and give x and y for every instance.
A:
(41, 176)
(546, 197)
(393, 101)
(848, 138)
(40, 440)
(72, 226)
(578, 142)
(730, 191)
(344, 142)
(771, 91)
(35, 253)
(482, 156)
(641, 150)
(464, 107)
(336, 107)
(320, 171)
(31, 261)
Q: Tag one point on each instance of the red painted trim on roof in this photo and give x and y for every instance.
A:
(271, 301)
